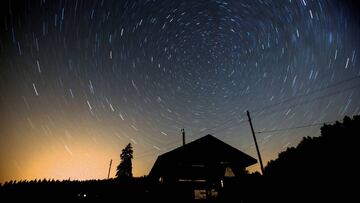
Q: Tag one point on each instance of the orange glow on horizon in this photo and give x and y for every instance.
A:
(83, 153)
(80, 159)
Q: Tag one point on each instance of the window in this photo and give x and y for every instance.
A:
(199, 194)
(229, 172)
(205, 194)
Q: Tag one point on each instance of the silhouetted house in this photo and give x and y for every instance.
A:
(204, 165)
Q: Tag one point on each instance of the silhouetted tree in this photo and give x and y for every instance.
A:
(124, 169)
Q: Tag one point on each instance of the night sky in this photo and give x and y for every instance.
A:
(81, 79)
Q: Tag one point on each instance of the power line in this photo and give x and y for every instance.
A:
(308, 101)
(296, 127)
(292, 128)
(307, 94)
(172, 144)
(311, 100)
(318, 98)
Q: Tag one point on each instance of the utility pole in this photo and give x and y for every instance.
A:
(256, 145)
(109, 168)
(183, 136)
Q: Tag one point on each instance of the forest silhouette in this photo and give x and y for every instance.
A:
(322, 168)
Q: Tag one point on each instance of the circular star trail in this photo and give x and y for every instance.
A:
(81, 79)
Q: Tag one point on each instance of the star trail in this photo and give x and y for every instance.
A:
(81, 79)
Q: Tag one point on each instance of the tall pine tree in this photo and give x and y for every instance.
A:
(124, 169)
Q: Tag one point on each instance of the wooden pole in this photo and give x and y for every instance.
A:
(256, 145)
(109, 169)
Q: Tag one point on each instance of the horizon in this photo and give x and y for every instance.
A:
(80, 80)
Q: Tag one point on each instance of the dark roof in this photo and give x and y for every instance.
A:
(207, 151)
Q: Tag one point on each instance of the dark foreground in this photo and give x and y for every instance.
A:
(319, 169)
(252, 188)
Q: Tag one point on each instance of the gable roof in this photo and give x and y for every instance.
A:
(207, 150)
